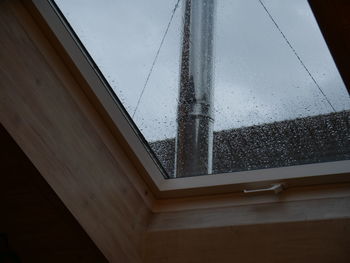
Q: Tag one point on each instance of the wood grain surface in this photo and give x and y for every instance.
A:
(46, 110)
(48, 115)
(303, 242)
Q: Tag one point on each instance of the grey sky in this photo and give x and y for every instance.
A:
(258, 79)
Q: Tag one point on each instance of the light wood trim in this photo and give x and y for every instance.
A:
(309, 174)
(268, 213)
(240, 199)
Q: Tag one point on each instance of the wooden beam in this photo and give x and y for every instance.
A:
(49, 116)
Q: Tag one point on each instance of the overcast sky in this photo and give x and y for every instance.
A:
(258, 79)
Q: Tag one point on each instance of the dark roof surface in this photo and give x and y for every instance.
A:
(293, 142)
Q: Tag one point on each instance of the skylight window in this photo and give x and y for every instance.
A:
(277, 98)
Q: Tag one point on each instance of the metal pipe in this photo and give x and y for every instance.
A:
(194, 141)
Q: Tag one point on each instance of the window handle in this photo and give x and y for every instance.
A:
(276, 188)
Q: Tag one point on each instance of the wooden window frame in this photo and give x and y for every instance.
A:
(300, 175)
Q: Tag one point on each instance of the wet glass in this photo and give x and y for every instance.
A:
(277, 98)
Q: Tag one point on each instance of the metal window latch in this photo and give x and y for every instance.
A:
(275, 188)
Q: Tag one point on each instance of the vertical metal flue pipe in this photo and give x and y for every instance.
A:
(194, 141)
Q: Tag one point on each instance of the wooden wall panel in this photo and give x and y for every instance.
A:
(303, 242)
(49, 116)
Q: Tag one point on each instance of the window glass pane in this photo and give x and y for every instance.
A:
(277, 96)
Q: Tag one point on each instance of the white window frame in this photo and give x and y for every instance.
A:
(328, 172)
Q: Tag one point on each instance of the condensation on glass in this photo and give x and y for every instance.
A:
(276, 97)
